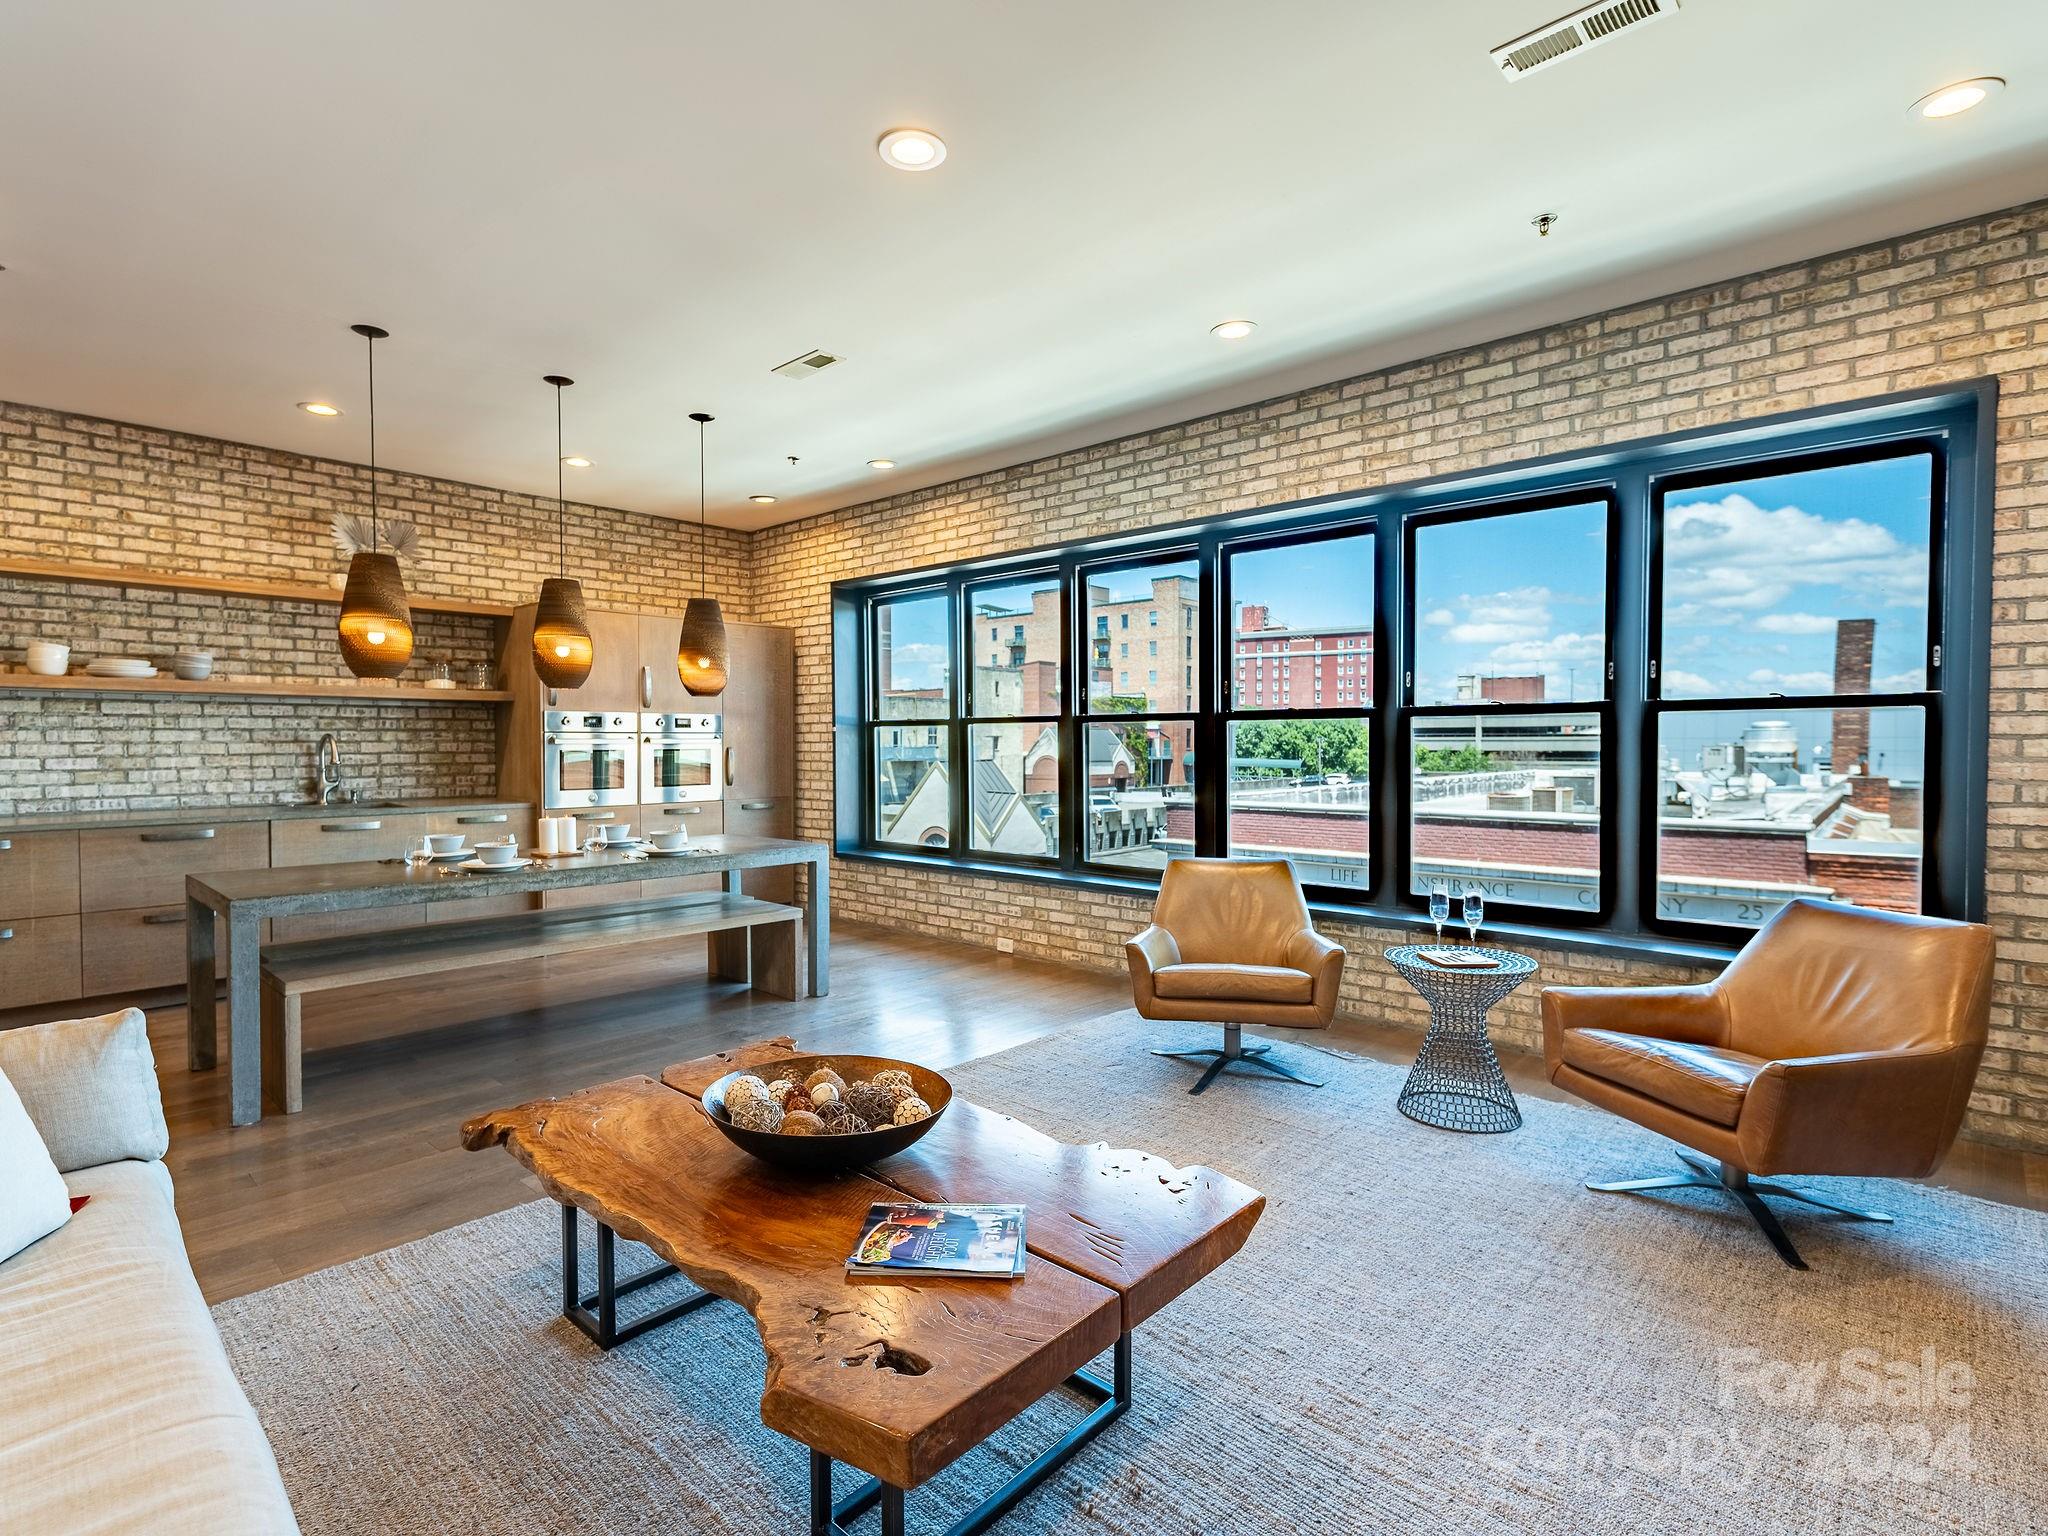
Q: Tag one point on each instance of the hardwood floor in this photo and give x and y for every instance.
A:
(373, 1159)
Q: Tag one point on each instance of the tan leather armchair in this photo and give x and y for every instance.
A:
(1842, 1040)
(1231, 944)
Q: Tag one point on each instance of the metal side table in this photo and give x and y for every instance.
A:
(1456, 1083)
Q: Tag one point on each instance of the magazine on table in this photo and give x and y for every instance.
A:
(1459, 960)
(906, 1238)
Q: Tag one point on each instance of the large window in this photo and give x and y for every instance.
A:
(1653, 691)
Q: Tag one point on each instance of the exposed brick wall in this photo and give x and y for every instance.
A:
(1956, 303)
(82, 490)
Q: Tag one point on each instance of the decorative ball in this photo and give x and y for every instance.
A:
(779, 1090)
(896, 1076)
(746, 1089)
(796, 1099)
(912, 1110)
(755, 1115)
(873, 1102)
(841, 1121)
(823, 1094)
(801, 1122)
(825, 1075)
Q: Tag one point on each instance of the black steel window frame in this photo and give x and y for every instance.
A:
(1929, 700)
(1956, 423)
(967, 716)
(1601, 492)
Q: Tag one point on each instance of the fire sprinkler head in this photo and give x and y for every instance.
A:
(1544, 222)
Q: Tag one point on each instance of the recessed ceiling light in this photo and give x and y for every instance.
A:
(881, 463)
(1951, 100)
(319, 408)
(762, 501)
(576, 461)
(1233, 330)
(911, 149)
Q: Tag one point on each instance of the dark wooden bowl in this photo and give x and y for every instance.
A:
(827, 1154)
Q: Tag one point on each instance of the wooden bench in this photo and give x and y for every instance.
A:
(750, 940)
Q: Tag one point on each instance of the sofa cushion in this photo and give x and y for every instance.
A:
(90, 1086)
(129, 1419)
(1235, 983)
(1700, 1080)
(33, 1200)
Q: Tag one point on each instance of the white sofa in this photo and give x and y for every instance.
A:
(118, 1411)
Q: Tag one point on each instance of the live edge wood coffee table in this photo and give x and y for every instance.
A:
(894, 1378)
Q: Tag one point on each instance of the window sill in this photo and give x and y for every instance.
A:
(1577, 940)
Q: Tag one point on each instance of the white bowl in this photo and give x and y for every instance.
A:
(48, 659)
(670, 839)
(193, 671)
(446, 842)
(496, 854)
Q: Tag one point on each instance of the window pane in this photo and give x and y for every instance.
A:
(1510, 803)
(911, 797)
(1141, 799)
(1754, 810)
(1512, 608)
(1301, 790)
(1301, 630)
(1013, 644)
(913, 657)
(1141, 603)
(1805, 583)
(1013, 795)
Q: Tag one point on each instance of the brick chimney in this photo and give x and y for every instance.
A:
(1854, 641)
(1251, 618)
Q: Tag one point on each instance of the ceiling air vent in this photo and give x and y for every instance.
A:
(803, 367)
(1574, 34)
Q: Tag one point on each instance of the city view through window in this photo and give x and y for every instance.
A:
(1772, 588)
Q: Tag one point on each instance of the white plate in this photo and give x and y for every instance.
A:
(456, 853)
(479, 864)
(105, 669)
(622, 845)
(671, 853)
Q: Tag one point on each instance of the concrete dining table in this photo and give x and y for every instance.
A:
(235, 903)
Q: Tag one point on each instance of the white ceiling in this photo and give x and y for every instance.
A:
(665, 200)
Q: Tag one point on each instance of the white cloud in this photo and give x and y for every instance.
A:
(1910, 681)
(1439, 617)
(1491, 634)
(1795, 624)
(1678, 682)
(1552, 648)
(1793, 682)
(1733, 553)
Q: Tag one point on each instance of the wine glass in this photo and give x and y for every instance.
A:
(419, 851)
(1439, 908)
(1475, 911)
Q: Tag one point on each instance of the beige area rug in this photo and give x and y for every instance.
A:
(1427, 1332)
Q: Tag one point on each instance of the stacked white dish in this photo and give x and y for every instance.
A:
(47, 658)
(120, 666)
(193, 666)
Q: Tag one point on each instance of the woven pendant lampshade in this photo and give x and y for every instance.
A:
(562, 650)
(700, 650)
(375, 627)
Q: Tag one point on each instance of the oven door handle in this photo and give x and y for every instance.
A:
(647, 687)
(728, 767)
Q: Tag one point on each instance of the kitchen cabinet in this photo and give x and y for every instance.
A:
(482, 826)
(38, 960)
(699, 818)
(348, 837)
(136, 949)
(38, 874)
(661, 686)
(614, 681)
(760, 747)
(132, 867)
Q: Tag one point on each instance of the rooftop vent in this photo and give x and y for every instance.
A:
(803, 367)
(1572, 35)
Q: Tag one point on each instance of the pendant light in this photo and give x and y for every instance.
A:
(375, 625)
(700, 654)
(561, 634)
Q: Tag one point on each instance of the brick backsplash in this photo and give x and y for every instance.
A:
(80, 490)
(1955, 303)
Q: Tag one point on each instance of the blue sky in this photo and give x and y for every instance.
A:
(1756, 572)
(918, 642)
(1521, 593)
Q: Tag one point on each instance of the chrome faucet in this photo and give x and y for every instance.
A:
(327, 757)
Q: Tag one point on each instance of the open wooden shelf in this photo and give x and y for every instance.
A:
(258, 688)
(280, 591)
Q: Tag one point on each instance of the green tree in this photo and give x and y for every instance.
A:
(1467, 759)
(1319, 746)
(1136, 741)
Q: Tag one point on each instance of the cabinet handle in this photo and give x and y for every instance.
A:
(481, 821)
(728, 767)
(647, 687)
(756, 805)
(597, 816)
(351, 826)
(157, 919)
(684, 810)
(179, 835)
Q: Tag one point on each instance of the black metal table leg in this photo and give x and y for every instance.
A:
(1111, 1399)
(597, 1315)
